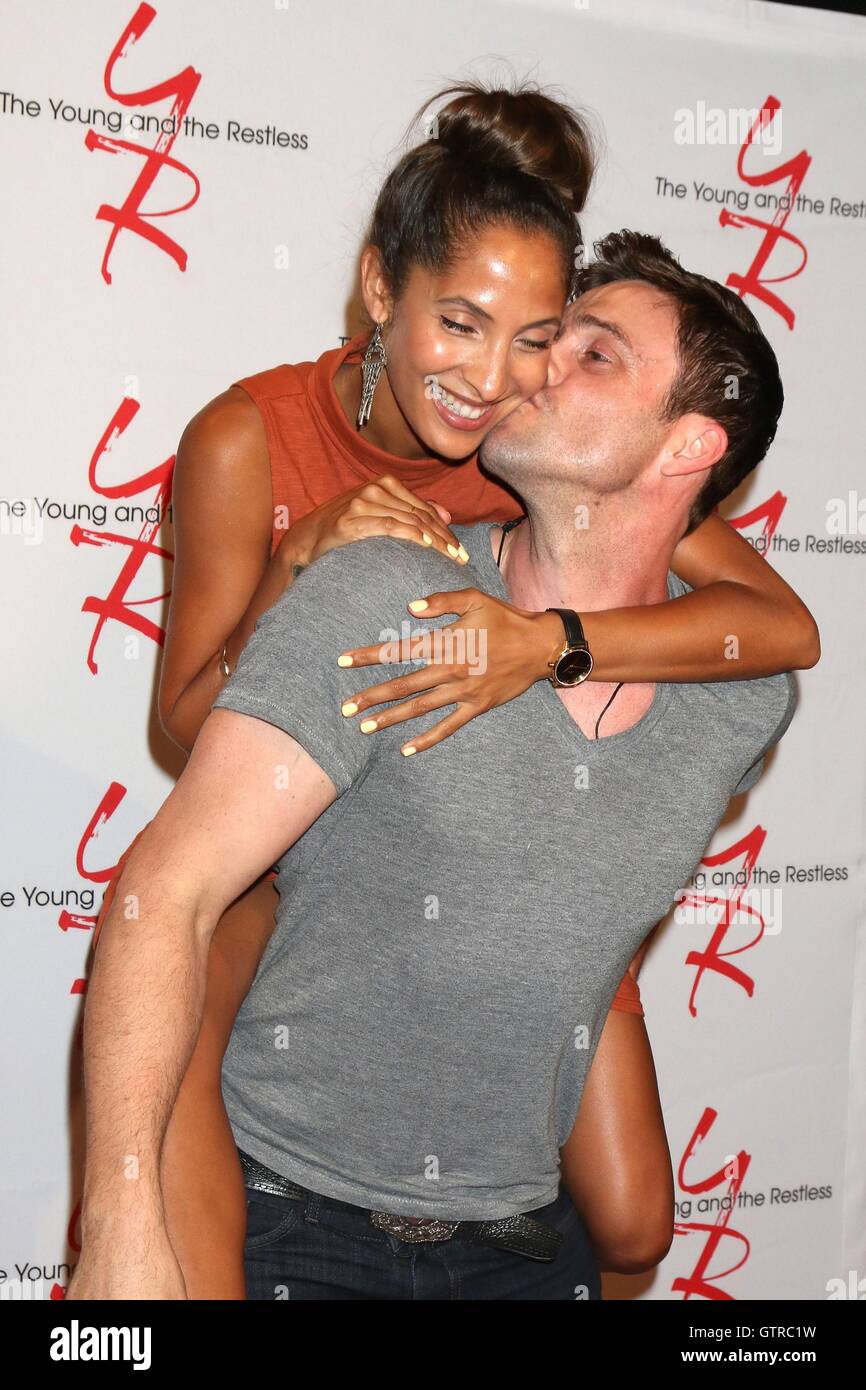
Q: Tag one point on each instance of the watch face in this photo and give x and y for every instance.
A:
(573, 666)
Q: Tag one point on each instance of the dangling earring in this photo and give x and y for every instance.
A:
(375, 360)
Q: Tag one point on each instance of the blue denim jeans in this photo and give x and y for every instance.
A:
(318, 1248)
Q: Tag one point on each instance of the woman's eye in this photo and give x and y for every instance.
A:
(460, 327)
(539, 347)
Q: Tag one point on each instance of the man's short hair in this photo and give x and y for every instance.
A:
(727, 368)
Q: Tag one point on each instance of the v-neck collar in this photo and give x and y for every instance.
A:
(542, 691)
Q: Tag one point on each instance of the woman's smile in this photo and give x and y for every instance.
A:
(459, 412)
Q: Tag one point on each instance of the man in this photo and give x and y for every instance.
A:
(452, 928)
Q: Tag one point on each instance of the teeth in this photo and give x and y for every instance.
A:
(437, 392)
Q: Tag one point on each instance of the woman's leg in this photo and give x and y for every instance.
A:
(615, 1163)
(202, 1180)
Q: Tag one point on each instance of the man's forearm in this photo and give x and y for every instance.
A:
(143, 1013)
(248, 792)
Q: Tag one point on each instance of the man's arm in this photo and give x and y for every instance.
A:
(248, 792)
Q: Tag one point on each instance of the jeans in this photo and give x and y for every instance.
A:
(318, 1248)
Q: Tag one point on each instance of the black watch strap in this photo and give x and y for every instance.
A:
(573, 626)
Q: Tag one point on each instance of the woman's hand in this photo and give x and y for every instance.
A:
(381, 508)
(490, 655)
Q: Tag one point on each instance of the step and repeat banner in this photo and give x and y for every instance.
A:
(186, 186)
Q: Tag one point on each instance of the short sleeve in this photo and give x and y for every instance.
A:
(754, 772)
(748, 780)
(287, 674)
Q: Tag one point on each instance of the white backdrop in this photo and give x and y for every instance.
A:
(760, 1053)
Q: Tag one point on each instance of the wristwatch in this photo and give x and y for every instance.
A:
(574, 662)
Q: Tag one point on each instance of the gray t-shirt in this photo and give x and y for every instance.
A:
(452, 930)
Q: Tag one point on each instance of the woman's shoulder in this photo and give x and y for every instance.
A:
(293, 378)
(227, 420)
(286, 379)
(223, 447)
(236, 425)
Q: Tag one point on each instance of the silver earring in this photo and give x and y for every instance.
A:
(375, 360)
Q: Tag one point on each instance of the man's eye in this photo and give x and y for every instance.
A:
(596, 355)
(460, 327)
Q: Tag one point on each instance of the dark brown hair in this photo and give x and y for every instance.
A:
(727, 368)
(495, 156)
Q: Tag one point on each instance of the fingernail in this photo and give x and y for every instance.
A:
(452, 550)
(407, 752)
(418, 605)
(344, 661)
(428, 540)
(367, 726)
(349, 707)
(463, 553)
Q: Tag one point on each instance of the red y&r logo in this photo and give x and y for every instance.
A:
(726, 911)
(769, 512)
(103, 813)
(754, 282)
(701, 1281)
(181, 88)
(117, 606)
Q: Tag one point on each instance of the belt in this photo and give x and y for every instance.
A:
(520, 1235)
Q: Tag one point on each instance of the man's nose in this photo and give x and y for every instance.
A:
(557, 362)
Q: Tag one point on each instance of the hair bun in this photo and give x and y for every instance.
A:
(490, 158)
(522, 130)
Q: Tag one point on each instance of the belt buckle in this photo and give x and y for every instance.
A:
(406, 1229)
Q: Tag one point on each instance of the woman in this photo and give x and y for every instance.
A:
(467, 270)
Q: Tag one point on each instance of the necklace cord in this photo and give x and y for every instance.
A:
(509, 526)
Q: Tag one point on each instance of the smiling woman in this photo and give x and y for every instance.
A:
(466, 343)
(469, 262)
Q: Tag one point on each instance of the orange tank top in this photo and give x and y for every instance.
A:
(316, 453)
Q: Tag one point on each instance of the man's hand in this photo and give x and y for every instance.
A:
(132, 1261)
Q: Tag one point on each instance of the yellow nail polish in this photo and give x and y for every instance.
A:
(367, 726)
(452, 550)
(344, 661)
(428, 540)
(349, 708)
(418, 605)
(407, 752)
(463, 553)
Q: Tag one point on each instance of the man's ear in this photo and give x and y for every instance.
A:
(694, 445)
(376, 293)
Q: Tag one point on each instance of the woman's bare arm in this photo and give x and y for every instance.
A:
(737, 595)
(224, 578)
(741, 622)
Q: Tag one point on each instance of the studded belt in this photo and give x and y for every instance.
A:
(520, 1235)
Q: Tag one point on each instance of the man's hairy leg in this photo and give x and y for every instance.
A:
(202, 1180)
